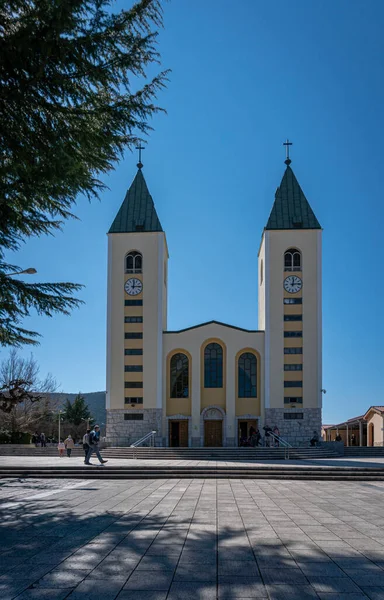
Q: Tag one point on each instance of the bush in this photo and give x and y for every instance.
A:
(19, 437)
(5, 437)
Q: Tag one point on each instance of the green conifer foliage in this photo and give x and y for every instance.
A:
(71, 101)
(77, 412)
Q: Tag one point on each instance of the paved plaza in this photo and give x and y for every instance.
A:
(191, 539)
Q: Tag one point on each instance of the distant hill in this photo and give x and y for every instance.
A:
(95, 402)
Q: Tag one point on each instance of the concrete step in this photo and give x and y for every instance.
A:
(218, 472)
(49, 451)
(156, 454)
(226, 454)
(367, 451)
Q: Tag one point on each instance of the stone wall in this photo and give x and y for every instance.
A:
(295, 431)
(120, 432)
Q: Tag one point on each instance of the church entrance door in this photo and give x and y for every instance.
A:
(213, 433)
(178, 434)
(245, 430)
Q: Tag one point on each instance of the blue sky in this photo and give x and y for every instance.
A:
(246, 75)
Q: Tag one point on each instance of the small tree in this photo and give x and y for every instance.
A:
(76, 416)
(25, 398)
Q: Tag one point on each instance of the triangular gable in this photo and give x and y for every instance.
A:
(374, 410)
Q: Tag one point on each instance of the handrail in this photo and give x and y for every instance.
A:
(150, 435)
(286, 445)
(281, 440)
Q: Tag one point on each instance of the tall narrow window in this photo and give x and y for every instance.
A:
(179, 376)
(133, 262)
(213, 366)
(247, 375)
(292, 260)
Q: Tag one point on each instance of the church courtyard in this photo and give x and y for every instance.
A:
(181, 539)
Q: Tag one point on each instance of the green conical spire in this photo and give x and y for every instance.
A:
(137, 213)
(291, 209)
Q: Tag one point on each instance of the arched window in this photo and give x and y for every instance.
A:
(292, 260)
(247, 376)
(179, 376)
(133, 262)
(213, 366)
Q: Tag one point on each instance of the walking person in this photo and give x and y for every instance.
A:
(86, 444)
(94, 440)
(69, 444)
(61, 448)
(43, 440)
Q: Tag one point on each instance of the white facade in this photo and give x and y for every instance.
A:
(212, 383)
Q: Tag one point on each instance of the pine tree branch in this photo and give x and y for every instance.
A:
(70, 105)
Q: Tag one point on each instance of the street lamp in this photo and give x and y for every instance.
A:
(29, 271)
(60, 412)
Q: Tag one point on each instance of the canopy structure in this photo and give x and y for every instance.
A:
(353, 432)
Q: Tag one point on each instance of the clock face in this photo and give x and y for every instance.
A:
(133, 286)
(292, 284)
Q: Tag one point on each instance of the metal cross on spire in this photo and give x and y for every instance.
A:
(140, 148)
(287, 143)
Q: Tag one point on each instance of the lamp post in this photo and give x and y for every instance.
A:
(29, 271)
(323, 392)
(59, 425)
(86, 421)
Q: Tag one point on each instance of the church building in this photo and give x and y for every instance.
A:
(207, 385)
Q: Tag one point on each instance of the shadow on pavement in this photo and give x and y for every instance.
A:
(181, 540)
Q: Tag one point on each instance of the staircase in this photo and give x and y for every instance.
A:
(364, 451)
(32, 451)
(214, 471)
(200, 463)
(220, 454)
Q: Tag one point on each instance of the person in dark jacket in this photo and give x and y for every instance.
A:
(94, 440)
(268, 438)
(315, 439)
